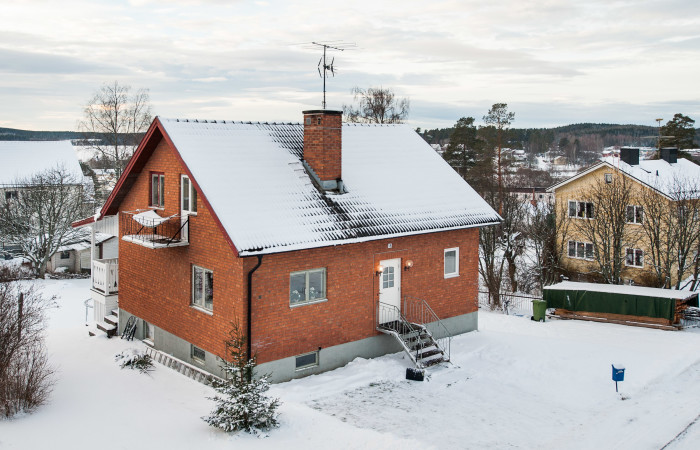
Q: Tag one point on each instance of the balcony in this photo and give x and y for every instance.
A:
(105, 276)
(150, 230)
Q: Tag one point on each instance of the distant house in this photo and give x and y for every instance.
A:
(658, 177)
(21, 160)
(75, 255)
(323, 241)
(532, 195)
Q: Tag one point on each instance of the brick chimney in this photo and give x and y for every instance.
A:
(322, 147)
(630, 155)
(669, 154)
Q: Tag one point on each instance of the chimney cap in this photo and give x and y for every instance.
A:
(330, 112)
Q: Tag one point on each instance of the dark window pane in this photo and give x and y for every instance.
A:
(572, 209)
(209, 290)
(185, 193)
(630, 257)
(639, 258)
(317, 288)
(579, 249)
(306, 360)
(630, 214)
(297, 288)
(639, 214)
(589, 210)
(198, 285)
(589, 251)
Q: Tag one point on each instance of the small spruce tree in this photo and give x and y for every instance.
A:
(241, 403)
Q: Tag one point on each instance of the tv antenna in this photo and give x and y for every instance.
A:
(326, 67)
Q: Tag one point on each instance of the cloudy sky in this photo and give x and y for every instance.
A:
(554, 62)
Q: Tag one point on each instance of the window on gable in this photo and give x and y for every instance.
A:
(308, 286)
(10, 195)
(634, 257)
(157, 189)
(608, 178)
(451, 267)
(635, 214)
(202, 288)
(188, 195)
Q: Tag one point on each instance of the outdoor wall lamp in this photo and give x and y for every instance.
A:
(380, 270)
(408, 265)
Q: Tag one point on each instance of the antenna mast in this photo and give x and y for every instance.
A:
(323, 64)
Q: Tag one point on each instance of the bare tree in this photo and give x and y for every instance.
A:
(604, 224)
(500, 246)
(376, 105)
(25, 375)
(39, 219)
(672, 231)
(114, 122)
(546, 230)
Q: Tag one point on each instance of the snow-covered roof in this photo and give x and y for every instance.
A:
(253, 177)
(621, 289)
(22, 159)
(658, 174)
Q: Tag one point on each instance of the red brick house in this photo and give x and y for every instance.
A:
(324, 241)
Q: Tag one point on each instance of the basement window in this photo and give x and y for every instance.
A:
(451, 262)
(198, 355)
(308, 286)
(306, 361)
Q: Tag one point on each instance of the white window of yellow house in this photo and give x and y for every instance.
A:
(451, 268)
(635, 214)
(634, 257)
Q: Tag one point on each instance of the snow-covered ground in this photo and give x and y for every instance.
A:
(514, 384)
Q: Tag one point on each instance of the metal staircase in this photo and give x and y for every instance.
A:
(415, 327)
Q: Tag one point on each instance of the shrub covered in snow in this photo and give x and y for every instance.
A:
(134, 359)
(241, 403)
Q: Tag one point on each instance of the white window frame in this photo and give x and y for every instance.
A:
(578, 210)
(444, 264)
(634, 257)
(309, 365)
(200, 301)
(576, 247)
(197, 359)
(306, 300)
(608, 178)
(192, 196)
(635, 210)
(157, 199)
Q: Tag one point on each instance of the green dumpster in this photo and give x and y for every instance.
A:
(539, 310)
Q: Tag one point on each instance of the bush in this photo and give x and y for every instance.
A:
(26, 379)
(135, 360)
(242, 403)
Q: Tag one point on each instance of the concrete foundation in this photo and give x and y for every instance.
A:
(285, 369)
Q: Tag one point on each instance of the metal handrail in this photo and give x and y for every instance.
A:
(418, 310)
(399, 327)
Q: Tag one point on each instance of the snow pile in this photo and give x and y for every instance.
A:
(514, 384)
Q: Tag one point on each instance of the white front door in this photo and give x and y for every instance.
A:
(390, 290)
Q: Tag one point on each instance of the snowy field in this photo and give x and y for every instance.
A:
(514, 384)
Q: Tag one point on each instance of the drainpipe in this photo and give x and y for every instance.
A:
(250, 306)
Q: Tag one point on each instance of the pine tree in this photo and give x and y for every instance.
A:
(241, 403)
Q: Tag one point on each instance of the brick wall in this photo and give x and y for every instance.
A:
(353, 289)
(322, 143)
(155, 284)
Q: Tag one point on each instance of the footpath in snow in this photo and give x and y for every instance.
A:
(514, 384)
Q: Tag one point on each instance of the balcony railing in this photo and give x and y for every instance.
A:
(149, 229)
(105, 275)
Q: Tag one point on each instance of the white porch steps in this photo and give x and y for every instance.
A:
(109, 326)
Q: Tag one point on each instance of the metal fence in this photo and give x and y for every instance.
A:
(509, 303)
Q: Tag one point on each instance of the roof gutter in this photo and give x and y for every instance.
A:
(249, 327)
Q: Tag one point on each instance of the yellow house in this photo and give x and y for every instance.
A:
(624, 219)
